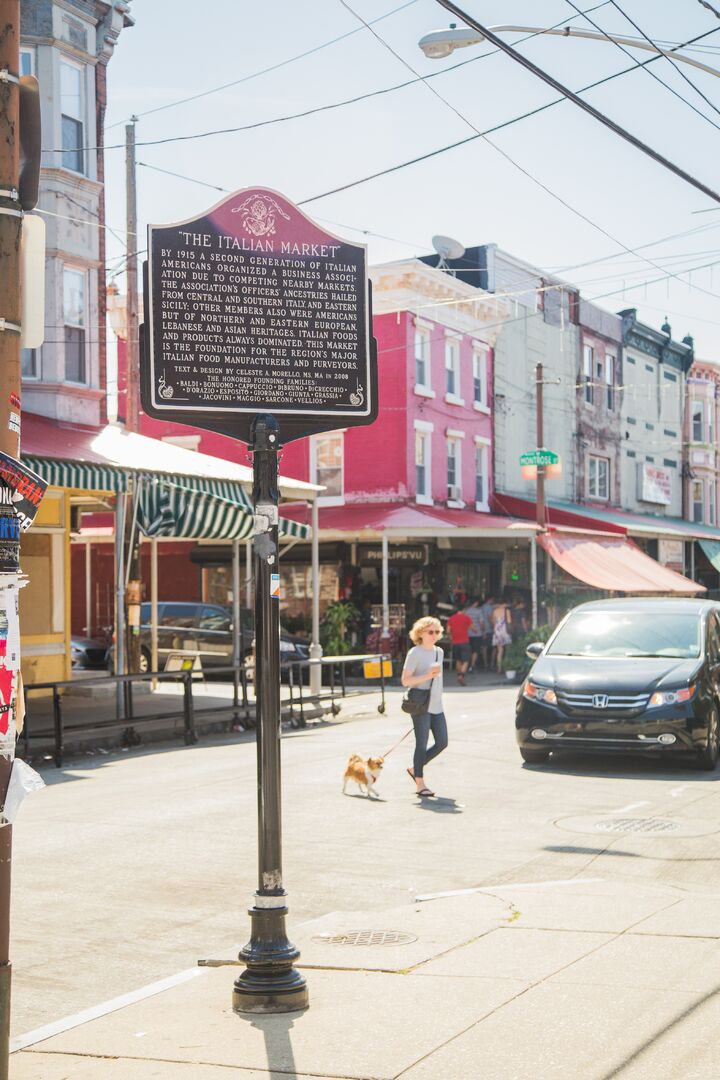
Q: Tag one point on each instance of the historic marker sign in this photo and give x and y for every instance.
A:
(253, 308)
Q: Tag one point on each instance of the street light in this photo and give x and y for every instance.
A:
(441, 43)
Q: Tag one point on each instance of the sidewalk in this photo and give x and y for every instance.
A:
(588, 980)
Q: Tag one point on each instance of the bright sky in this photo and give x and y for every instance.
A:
(179, 49)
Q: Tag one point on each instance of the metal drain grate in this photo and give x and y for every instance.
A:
(366, 937)
(636, 825)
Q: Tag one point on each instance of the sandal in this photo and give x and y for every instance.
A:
(426, 793)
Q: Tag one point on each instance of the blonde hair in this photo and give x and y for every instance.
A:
(419, 628)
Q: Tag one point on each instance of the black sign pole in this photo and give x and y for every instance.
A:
(269, 983)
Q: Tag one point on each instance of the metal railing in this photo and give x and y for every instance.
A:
(128, 716)
(305, 699)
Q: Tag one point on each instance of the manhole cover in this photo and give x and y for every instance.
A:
(366, 937)
(638, 826)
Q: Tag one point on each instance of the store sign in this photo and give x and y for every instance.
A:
(654, 484)
(405, 554)
(254, 309)
(671, 554)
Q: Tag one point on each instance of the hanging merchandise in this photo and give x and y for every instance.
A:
(11, 698)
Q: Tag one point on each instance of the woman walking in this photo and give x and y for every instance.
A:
(502, 621)
(424, 669)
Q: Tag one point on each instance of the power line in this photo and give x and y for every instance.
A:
(580, 102)
(653, 74)
(263, 71)
(499, 150)
(491, 130)
(318, 108)
(715, 11)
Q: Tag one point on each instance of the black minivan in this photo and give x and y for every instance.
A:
(632, 675)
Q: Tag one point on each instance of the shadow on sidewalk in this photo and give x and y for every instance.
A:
(278, 1042)
(440, 805)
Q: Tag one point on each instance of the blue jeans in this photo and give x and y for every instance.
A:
(424, 724)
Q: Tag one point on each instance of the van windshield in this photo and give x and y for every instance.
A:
(629, 633)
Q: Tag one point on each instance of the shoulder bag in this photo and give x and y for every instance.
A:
(416, 701)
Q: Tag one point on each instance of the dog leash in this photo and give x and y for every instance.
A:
(395, 746)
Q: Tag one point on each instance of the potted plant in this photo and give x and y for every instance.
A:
(516, 662)
(333, 630)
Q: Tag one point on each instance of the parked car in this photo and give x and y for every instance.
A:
(88, 654)
(207, 630)
(628, 676)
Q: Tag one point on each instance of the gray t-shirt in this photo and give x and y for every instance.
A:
(417, 662)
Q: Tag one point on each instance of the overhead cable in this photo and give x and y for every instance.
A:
(263, 71)
(654, 74)
(535, 180)
(580, 102)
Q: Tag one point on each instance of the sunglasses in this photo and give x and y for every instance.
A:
(433, 632)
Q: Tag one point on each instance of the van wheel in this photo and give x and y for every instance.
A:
(144, 662)
(534, 757)
(707, 759)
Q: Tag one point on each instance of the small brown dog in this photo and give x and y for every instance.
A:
(364, 773)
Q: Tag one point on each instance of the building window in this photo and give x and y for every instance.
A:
(30, 363)
(711, 423)
(422, 357)
(598, 478)
(454, 486)
(74, 316)
(698, 422)
(422, 464)
(712, 503)
(452, 367)
(480, 380)
(610, 382)
(71, 107)
(588, 374)
(329, 465)
(698, 501)
(481, 477)
(27, 61)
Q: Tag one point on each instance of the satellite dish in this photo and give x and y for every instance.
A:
(447, 248)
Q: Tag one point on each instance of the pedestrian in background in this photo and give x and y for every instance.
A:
(475, 613)
(424, 669)
(486, 611)
(502, 631)
(458, 626)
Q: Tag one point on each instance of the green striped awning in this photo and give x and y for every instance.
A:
(181, 507)
(83, 475)
(171, 509)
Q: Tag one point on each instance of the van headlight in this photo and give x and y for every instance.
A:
(670, 697)
(545, 694)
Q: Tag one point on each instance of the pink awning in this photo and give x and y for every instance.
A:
(614, 564)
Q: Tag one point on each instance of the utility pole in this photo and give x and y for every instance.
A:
(132, 352)
(10, 317)
(540, 441)
(133, 595)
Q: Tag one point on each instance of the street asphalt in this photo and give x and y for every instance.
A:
(129, 868)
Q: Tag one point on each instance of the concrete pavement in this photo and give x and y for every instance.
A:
(590, 950)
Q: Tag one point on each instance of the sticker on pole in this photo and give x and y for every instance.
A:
(26, 488)
(275, 586)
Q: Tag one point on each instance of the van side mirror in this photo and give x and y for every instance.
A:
(534, 649)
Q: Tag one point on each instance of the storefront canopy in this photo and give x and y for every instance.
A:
(204, 496)
(369, 521)
(712, 550)
(615, 564)
(610, 520)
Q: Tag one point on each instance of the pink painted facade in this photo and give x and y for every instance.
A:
(379, 462)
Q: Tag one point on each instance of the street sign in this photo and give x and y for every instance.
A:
(254, 309)
(539, 457)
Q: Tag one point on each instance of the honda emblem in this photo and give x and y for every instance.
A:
(600, 701)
